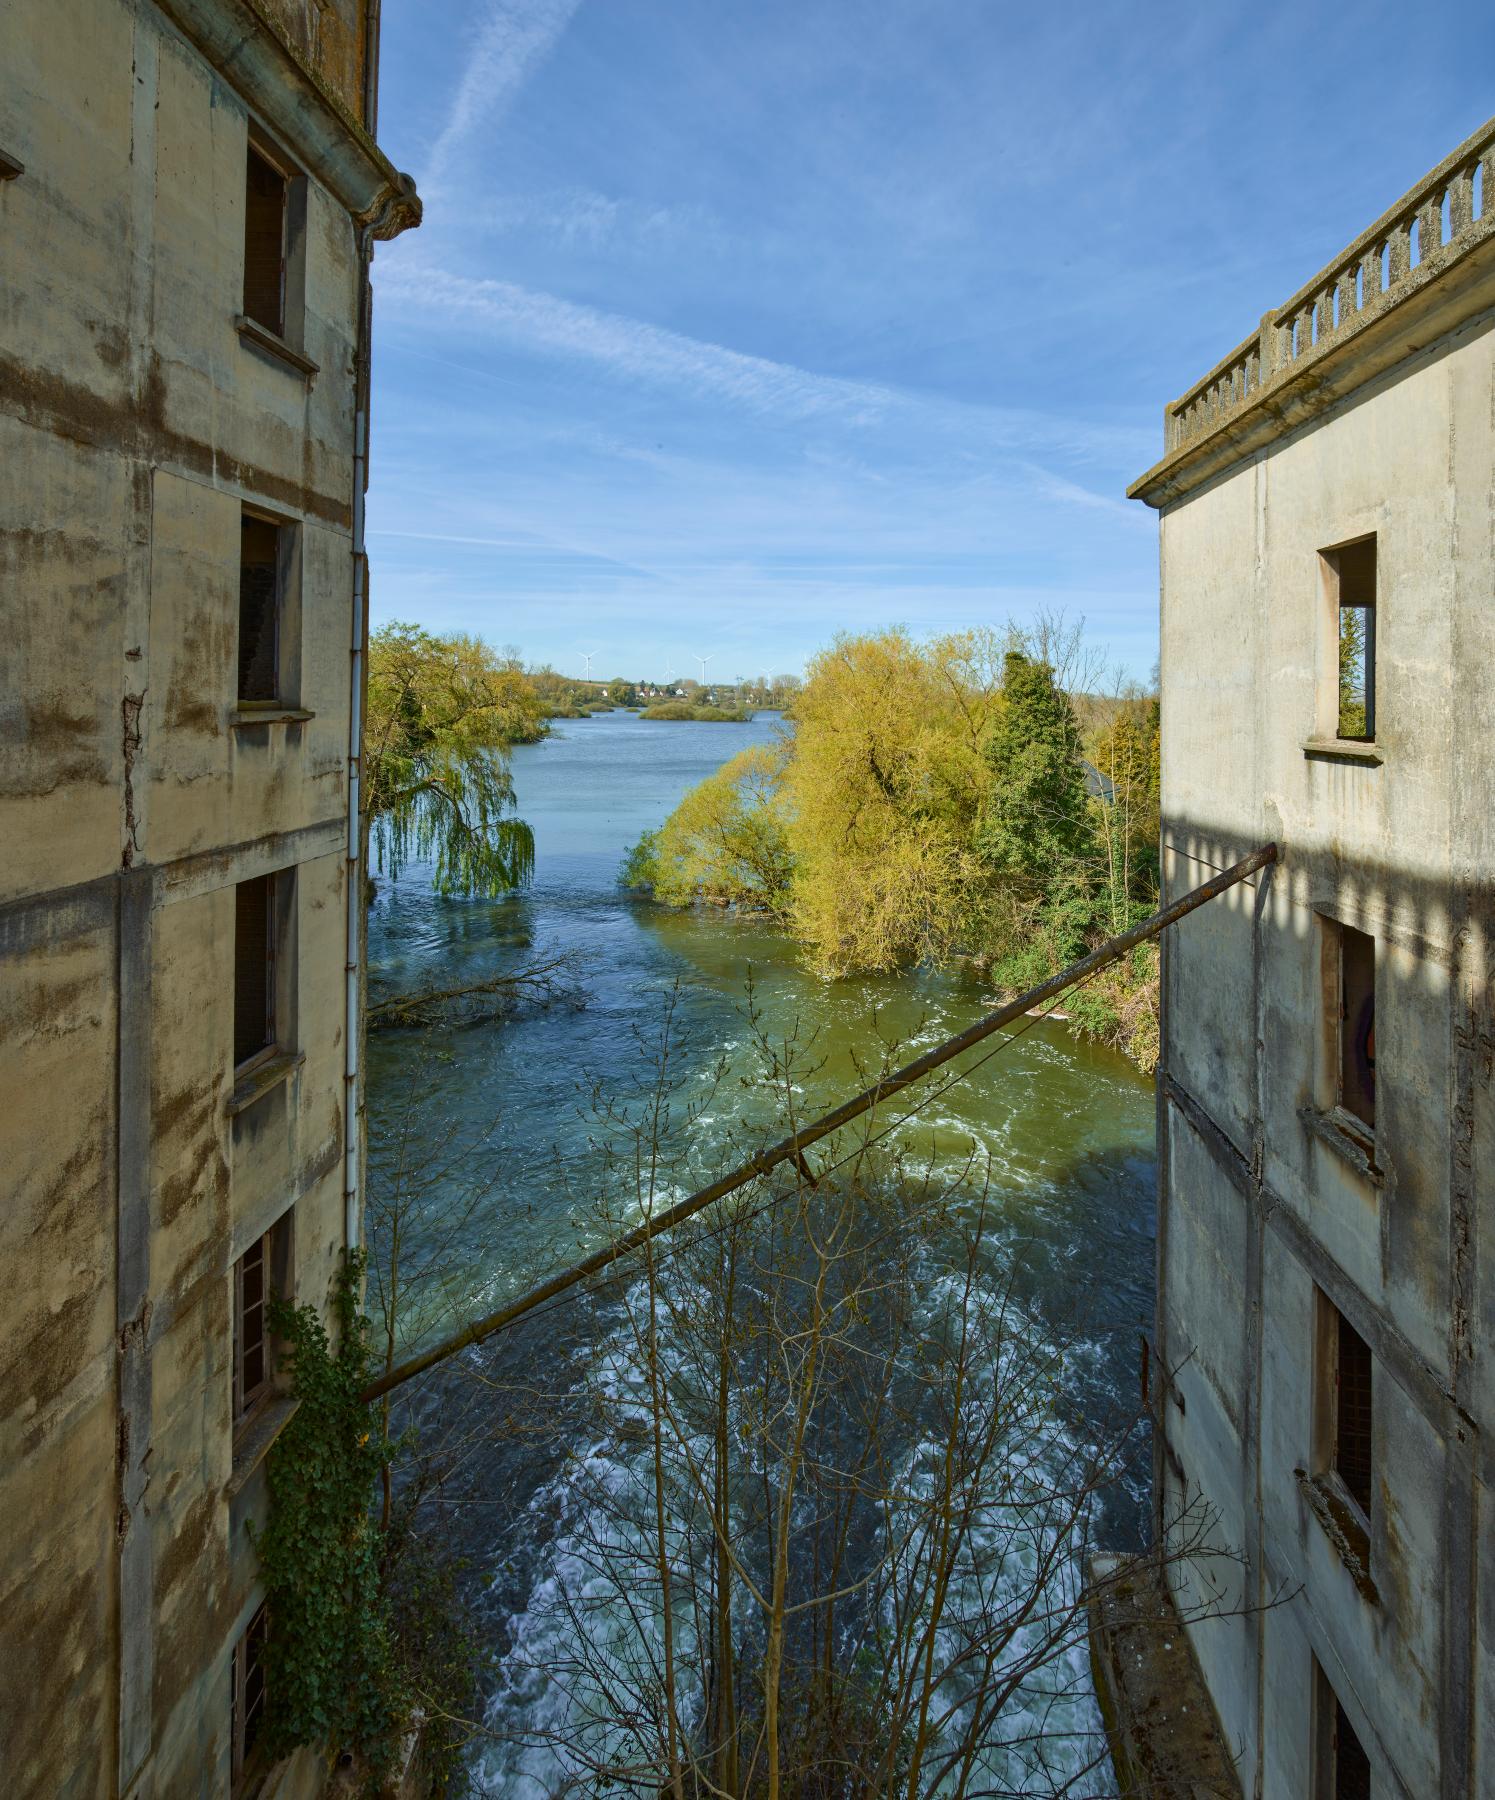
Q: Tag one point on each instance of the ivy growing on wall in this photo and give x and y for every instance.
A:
(333, 1677)
(370, 1629)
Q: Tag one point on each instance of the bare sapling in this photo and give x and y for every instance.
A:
(825, 1495)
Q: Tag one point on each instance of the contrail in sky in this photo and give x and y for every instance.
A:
(514, 39)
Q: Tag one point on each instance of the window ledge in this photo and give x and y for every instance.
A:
(1347, 1138)
(257, 1079)
(1344, 1526)
(1344, 750)
(255, 1435)
(270, 341)
(248, 716)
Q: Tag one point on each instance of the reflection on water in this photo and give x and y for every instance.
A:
(1066, 1127)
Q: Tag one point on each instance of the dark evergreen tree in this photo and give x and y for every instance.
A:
(1037, 832)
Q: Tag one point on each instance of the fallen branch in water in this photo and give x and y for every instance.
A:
(538, 984)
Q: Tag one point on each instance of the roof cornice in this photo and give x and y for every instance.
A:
(246, 47)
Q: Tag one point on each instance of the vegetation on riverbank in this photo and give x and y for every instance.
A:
(963, 798)
(701, 715)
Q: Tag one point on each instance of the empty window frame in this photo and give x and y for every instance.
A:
(261, 1272)
(1346, 1424)
(1351, 581)
(256, 946)
(267, 193)
(1342, 1768)
(248, 1707)
(262, 566)
(1357, 1024)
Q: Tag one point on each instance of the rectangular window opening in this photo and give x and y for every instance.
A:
(1357, 1024)
(1353, 1461)
(249, 1689)
(1343, 1771)
(266, 191)
(260, 563)
(1353, 567)
(263, 1271)
(254, 968)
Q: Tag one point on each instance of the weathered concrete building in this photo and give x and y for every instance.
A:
(188, 194)
(1326, 1311)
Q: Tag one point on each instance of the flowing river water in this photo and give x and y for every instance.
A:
(501, 1133)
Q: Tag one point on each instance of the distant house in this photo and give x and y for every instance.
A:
(1325, 1333)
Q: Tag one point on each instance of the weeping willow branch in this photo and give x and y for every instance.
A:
(455, 810)
(441, 715)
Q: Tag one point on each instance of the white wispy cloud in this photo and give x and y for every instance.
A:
(514, 38)
(634, 350)
(583, 218)
(1070, 493)
(631, 347)
(519, 541)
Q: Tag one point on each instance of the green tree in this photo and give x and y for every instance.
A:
(1125, 753)
(1352, 672)
(1036, 833)
(932, 801)
(885, 786)
(442, 712)
(621, 692)
(725, 842)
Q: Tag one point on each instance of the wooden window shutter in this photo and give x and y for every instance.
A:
(1353, 1424)
(259, 609)
(248, 1690)
(264, 242)
(254, 1023)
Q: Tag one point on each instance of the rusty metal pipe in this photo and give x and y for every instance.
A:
(791, 1149)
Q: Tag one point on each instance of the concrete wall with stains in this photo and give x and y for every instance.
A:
(1268, 1207)
(135, 422)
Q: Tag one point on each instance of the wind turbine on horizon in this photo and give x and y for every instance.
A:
(702, 660)
(586, 656)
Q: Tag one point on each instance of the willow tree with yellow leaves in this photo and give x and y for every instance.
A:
(882, 794)
(727, 841)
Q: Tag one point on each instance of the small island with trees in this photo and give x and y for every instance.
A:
(699, 714)
(974, 798)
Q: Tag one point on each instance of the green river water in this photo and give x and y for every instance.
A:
(1066, 1128)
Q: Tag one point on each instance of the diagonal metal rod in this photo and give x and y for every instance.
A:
(792, 1149)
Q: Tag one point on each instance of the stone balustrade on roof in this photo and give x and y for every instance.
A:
(1426, 234)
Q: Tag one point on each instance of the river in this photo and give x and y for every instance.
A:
(501, 1120)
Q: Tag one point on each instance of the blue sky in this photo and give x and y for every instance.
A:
(734, 325)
